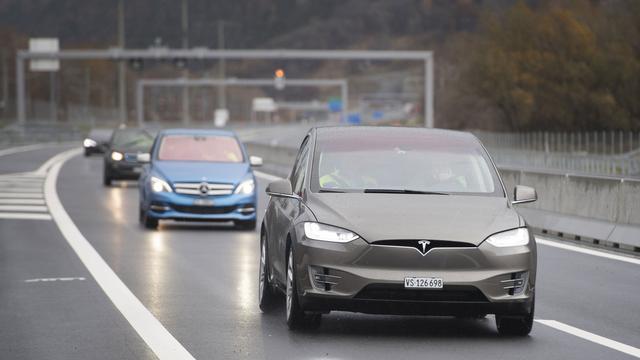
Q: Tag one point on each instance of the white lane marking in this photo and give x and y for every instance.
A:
(612, 344)
(18, 149)
(25, 216)
(55, 279)
(27, 208)
(13, 184)
(22, 195)
(12, 180)
(583, 250)
(23, 190)
(161, 342)
(266, 176)
(22, 176)
(19, 201)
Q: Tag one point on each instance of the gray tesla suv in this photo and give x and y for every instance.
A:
(397, 221)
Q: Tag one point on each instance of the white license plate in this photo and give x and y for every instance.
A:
(137, 170)
(423, 283)
(203, 202)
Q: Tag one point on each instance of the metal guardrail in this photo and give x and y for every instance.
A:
(623, 165)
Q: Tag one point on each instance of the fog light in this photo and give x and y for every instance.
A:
(517, 283)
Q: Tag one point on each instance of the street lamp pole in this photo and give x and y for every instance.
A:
(185, 72)
(122, 77)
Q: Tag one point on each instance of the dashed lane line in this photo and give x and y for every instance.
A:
(154, 334)
(600, 340)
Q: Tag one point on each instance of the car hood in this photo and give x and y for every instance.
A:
(469, 219)
(197, 171)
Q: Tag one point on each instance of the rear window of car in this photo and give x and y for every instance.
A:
(209, 148)
(132, 139)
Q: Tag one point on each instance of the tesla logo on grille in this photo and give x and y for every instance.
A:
(423, 244)
(204, 188)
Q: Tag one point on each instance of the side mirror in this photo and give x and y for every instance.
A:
(524, 194)
(144, 158)
(255, 161)
(281, 188)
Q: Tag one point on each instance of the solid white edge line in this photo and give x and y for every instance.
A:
(600, 340)
(154, 334)
(266, 176)
(583, 250)
(24, 216)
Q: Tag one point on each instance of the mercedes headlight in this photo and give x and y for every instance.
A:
(246, 187)
(317, 231)
(159, 185)
(515, 237)
(117, 156)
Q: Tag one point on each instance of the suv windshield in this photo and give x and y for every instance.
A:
(403, 164)
(211, 148)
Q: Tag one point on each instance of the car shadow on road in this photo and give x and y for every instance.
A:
(354, 326)
(202, 226)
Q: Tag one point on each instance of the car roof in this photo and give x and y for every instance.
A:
(197, 132)
(328, 132)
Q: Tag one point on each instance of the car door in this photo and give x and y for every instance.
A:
(286, 209)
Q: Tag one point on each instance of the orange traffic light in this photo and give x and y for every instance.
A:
(279, 73)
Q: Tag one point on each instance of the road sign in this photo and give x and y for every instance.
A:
(46, 46)
(221, 117)
(264, 105)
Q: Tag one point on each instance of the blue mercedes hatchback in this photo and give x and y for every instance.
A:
(198, 175)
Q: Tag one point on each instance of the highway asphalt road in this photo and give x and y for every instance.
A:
(191, 290)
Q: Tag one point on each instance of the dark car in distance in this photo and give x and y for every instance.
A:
(97, 142)
(121, 160)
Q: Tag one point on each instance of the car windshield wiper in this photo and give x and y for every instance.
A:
(402, 191)
(331, 191)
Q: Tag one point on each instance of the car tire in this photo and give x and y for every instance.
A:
(87, 153)
(295, 315)
(516, 325)
(266, 294)
(149, 222)
(106, 177)
(245, 224)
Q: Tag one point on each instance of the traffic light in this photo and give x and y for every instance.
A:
(279, 79)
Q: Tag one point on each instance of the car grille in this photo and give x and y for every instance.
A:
(397, 292)
(429, 245)
(195, 188)
(204, 210)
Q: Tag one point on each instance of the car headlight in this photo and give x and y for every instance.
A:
(89, 143)
(117, 156)
(246, 187)
(159, 185)
(515, 237)
(317, 231)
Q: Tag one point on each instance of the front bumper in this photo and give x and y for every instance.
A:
(124, 170)
(362, 277)
(172, 206)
